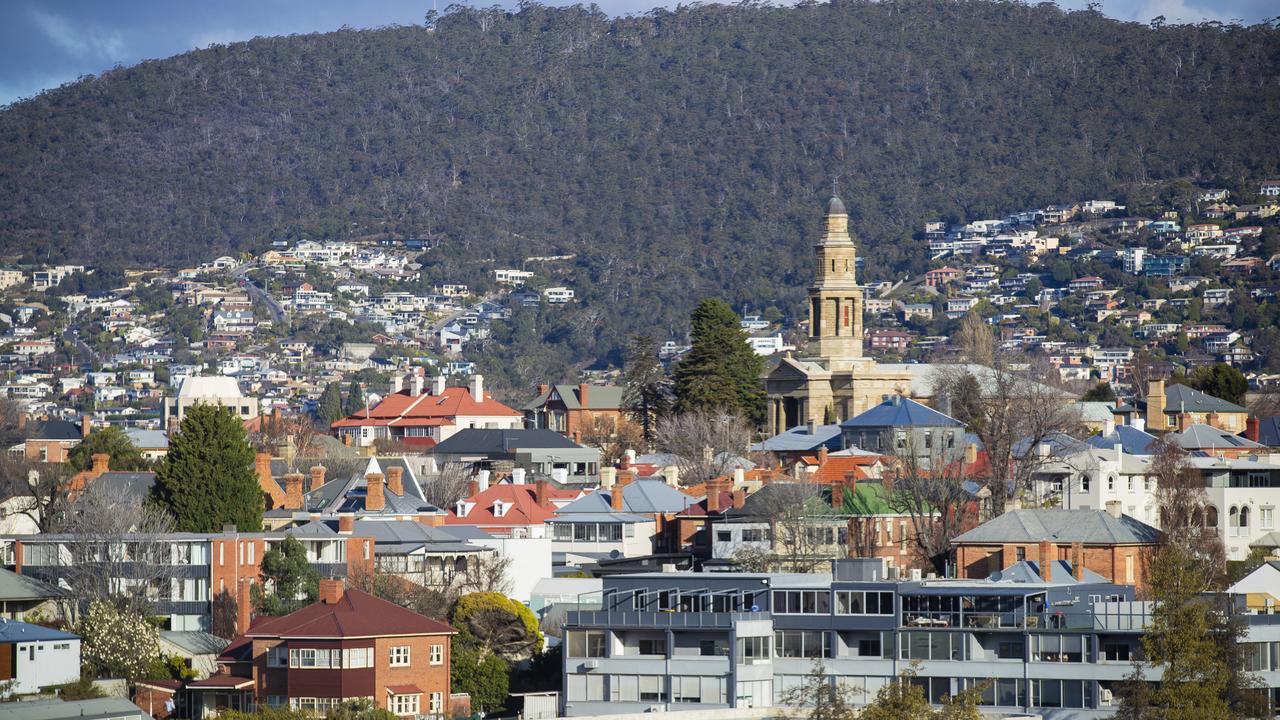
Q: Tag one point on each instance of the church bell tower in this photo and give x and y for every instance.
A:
(835, 299)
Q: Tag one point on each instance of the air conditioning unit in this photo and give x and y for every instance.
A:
(590, 664)
(916, 574)
(1106, 696)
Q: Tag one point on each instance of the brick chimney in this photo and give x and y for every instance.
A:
(542, 490)
(583, 389)
(1252, 429)
(346, 523)
(262, 465)
(86, 425)
(101, 464)
(1155, 406)
(317, 477)
(822, 456)
(331, 591)
(713, 495)
(244, 606)
(837, 495)
(473, 488)
(1077, 560)
(543, 389)
(293, 491)
(739, 497)
(615, 497)
(375, 497)
(395, 480)
(430, 519)
(1184, 421)
(1047, 556)
(971, 454)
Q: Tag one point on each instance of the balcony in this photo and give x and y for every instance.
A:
(671, 620)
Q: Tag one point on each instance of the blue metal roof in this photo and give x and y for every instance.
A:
(14, 631)
(900, 411)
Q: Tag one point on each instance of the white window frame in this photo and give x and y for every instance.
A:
(400, 656)
(437, 654)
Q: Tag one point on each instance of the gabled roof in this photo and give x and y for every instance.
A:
(599, 397)
(838, 468)
(522, 502)
(799, 439)
(57, 430)
(1092, 527)
(16, 631)
(1180, 398)
(355, 614)
(1133, 440)
(405, 409)
(1207, 437)
(639, 496)
(15, 587)
(485, 441)
(900, 411)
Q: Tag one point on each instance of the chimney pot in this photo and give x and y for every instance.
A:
(395, 480)
(101, 464)
(713, 495)
(739, 499)
(375, 497)
(331, 591)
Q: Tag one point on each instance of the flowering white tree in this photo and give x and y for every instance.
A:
(116, 642)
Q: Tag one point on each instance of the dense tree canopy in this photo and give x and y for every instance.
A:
(720, 371)
(111, 441)
(206, 480)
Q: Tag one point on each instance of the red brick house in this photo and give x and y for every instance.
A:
(570, 409)
(349, 645)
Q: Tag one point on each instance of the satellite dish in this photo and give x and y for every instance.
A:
(615, 554)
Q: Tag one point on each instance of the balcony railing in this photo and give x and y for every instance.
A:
(636, 618)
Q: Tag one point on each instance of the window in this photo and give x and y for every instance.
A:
(586, 643)
(752, 648)
(437, 703)
(278, 656)
(1084, 483)
(1111, 482)
(399, 655)
(1116, 652)
(652, 646)
(589, 688)
(800, 644)
(801, 602)
(753, 535)
(1020, 553)
(652, 689)
(1010, 649)
(713, 648)
(1267, 517)
(856, 602)
(437, 655)
(869, 647)
(724, 536)
(405, 704)
(357, 657)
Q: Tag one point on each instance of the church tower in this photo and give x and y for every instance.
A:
(835, 299)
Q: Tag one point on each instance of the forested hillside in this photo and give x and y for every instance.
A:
(678, 154)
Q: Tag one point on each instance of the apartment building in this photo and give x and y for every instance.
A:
(1058, 645)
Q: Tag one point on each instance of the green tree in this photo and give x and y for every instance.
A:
(1061, 271)
(289, 580)
(359, 709)
(647, 395)
(492, 623)
(207, 479)
(1221, 381)
(329, 408)
(112, 441)
(720, 371)
(485, 677)
(1102, 392)
(355, 399)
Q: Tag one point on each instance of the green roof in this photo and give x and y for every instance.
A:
(872, 498)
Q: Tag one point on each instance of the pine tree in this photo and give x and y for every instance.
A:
(111, 441)
(207, 479)
(355, 399)
(329, 408)
(720, 371)
(648, 389)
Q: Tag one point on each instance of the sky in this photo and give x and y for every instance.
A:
(45, 43)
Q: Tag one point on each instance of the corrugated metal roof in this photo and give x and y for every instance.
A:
(1092, 527)
(900, 411)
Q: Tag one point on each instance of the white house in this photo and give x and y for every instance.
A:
(558, 295)
(41, 657)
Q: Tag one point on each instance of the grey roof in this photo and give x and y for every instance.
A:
(485, 441)
(599, 397)
(1133, 440)
(1180, 398)
(1269, 431)
(799, 439)
(57, 430)
(125, 485)
(15, 587)
(14, 631)
(640, 496)
(835, 206)
(147, 439)
(348, 494)
(1025, 571)
(113, 708)
(604, 518)
(900, 411)
(194, 642)
(1092, 527)
(724, 459)
(1202, 437)
(1270, 540)
(397, 537)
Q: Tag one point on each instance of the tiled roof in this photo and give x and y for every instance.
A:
(523, 510)
(1093, 527)
(839, 468)
(640, 496)
(405, 409)
(356, 614)
(1180, 398)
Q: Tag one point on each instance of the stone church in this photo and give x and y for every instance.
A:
(836, 381)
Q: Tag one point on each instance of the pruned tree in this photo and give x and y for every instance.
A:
(706, 443)
(1187, 518)
(35, 491)
(494, 624)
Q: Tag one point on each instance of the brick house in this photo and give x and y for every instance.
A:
(1106, 542)
(53, 440)
(568, 409)
(349, 645)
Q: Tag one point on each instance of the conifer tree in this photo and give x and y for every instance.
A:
(355, 399)
(110, 441)
(720, 371)
(207, 478)
(329, 408)
(648, 389)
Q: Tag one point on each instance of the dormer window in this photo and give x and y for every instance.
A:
(499, 508)
(464, 508)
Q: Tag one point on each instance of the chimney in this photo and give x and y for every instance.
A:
(1077, 561)
(672, 474)
(739, 478)
(346, 523)
(477, 387)
(713, 495)
(262, 465)
(375, 497)
(1109, 426)
(583, 389)
(615, 497)
(244, 606)
(1155, 406)
(293, 491)
(837, 495)
(971, 454)
(739, 498)
(397, 383)
(1047, 556)
(437, 385)
(482, 481)
(430, 519)
(85, 426)
(543, 493)
(1251, 429)
(1184, 421)
(813, 427)
(473, 488)
(416, 384)
(331, 591)
(608, 476)
(317, 477)
(1211, 419)
(822, 455)
(101, 464)
(517, 476)
(395, 480)
(543, 389)
(1113, 509)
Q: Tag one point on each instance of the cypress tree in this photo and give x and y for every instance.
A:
(355, 399)
(720, 371)
(207, 478)
(329, 407)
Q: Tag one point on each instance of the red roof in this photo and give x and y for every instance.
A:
(404, 409)
(522, 499)
(838, 468)
(356, 614)
(404, 690)
(234, 682)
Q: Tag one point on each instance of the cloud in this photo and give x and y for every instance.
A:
(95, 42)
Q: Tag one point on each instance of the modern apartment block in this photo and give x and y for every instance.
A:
(685, 641)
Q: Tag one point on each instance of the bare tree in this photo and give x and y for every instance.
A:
(36, 491)
(613, 437)
(705, 443)
(486, 572)
(447, 487)
(974, 342)
(927, 485)
(803, 529)
(1187, 518)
